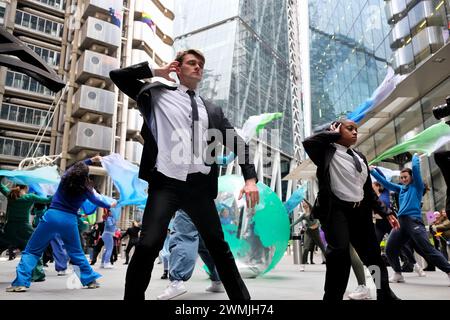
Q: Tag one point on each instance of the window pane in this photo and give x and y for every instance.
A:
(18, 17)
(13, 113)
(7, 147)
(37, 117)
(26, 20)
(21, 115)
(4, 111)
(41, 24)
(16, 148)
(33, 22)
(9, 78)
(29, 116)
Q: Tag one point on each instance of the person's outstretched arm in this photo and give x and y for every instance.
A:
(381, 179)
(417, 176)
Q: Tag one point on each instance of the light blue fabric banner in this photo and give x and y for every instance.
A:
(295, 199)
(133, 191)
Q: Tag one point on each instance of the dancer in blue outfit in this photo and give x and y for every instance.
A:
(74, 188)
(107, 236)
(410, 217)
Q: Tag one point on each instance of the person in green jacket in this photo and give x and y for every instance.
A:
(18, 230)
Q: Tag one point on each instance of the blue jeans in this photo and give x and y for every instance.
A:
(414, 229)
(109, 244)
(184, 244)
(54, 222)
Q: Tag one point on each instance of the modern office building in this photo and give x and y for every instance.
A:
(82, 40)
(247, 65)
(352, 43)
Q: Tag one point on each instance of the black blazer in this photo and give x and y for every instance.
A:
(320, 149)
(128, 81)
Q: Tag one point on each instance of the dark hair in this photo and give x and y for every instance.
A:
(76, 179)
(379, 185)
(407, 170)
(14, 193)
(180, 55)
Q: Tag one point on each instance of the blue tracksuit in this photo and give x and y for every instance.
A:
(60, 219)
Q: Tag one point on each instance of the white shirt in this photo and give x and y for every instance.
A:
(171, 127)
(346, 182)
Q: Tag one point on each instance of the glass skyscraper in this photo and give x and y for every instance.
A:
(349, 54)
(245, 43)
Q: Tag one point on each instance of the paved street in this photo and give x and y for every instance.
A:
(285, 282)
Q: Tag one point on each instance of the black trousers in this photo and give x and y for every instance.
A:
(165, 197)
(131, 243)
(344, 226)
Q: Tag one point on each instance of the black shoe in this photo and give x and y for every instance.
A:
(430, 268)
(407, 267)
(165, 275)
(312, 262)
(39, 280)
(389, 296)
(126, 263)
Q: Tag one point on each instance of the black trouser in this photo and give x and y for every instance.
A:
(344, 226)
(96, 250)
(165, 197)
(131, 243)
(442, 159)
(312, 238)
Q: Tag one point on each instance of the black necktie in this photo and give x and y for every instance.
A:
(355, 159)
(194, 121)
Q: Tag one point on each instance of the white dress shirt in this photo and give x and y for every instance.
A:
(171, 126)
(346, 182)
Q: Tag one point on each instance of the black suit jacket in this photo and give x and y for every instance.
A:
(128, 80)
(320, 149)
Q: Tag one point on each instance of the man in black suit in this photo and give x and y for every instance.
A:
(344, 207)
(176, 163)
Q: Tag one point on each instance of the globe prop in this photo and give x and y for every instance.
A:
(257, 237)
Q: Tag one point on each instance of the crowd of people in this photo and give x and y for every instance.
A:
(354, 207)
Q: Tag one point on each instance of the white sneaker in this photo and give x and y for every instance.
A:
(397, 277)
(108, 266)
(174, 289)
(216, 286)
(419, 271)
(360, 293)
(62, 273)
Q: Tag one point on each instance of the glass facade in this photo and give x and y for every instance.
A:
(246, 48)
(419, 28)
(407, 124)
(349, 55)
